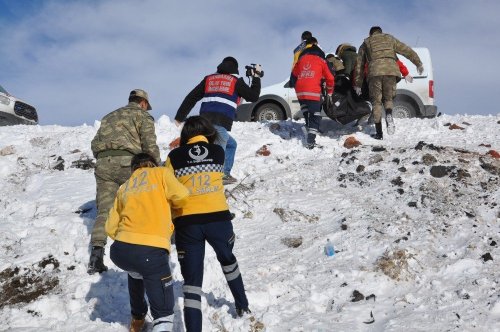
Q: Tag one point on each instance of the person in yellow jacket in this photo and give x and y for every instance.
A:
(140, 224)
(198, 164)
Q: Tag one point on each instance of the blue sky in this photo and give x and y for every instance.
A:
(76, 60)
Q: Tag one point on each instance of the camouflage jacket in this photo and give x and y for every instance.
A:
(379, 51)
(128, 128)
(349, 57)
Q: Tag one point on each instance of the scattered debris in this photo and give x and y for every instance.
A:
(263, 151)
(8, 150)
(372, 319)
(294, 215)
(24, 285)
(494, 154)
(455, 126)
(84, 163)
(58, 164)
(394, 264)
(357, 296)
(360, 168)
(351, 142)
(439, 171)
(378, 149)
(487, 257)
(429, 159)
(375, 159)
(292, 242)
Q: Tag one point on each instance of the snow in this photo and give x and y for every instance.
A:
(414, 241)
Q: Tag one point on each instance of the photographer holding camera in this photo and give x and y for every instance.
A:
(220, 94)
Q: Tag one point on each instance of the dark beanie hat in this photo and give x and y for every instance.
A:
(229, 65)
(375, 28)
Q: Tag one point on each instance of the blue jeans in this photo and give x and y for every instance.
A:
(229, 145)
(148, 270)
(190, 242)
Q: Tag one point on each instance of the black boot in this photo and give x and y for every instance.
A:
(378, 128)
(96, 263)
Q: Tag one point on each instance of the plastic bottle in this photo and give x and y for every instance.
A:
(329, 250)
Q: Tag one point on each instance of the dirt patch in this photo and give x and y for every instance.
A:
(294, 215)
(26, 284)
(394, 264)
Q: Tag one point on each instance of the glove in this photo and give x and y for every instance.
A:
(409, 78)
(329, 99)
(420, 69)
(358, 90)
(257, 71)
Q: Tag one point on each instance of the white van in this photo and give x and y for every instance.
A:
(14, 111)
(279, 102)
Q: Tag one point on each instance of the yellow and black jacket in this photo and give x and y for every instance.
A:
(199, 166)
(141, 212)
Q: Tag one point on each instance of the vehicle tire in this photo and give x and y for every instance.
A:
(403, 109)
(269, 112)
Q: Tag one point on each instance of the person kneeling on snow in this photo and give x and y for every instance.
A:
(198, 164)
(141, 225)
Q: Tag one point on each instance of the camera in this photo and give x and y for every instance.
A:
(251, 70)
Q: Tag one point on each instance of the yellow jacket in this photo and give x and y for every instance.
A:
(198, 166)
(141, 212)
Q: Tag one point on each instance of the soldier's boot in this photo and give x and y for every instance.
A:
(379, 134)
(96, 263)
(389, 120)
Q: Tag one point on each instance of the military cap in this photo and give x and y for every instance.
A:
(141, 93)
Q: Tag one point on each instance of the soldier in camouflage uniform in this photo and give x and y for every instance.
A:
(124, 133)
(379, 51)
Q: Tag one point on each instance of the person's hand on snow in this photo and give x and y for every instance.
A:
(358, 90)
(420, 69)
(409, 78)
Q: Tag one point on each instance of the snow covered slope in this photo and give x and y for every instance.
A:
(414, 220)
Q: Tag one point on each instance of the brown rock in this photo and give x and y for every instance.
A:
(494, 154)
(263, 151)
(351, 142)
(455, 126)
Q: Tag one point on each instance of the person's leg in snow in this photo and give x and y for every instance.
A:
(149, 271)
(229, 145)
(221, 237)
(311, 110)
(190, 243)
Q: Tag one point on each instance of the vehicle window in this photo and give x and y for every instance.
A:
(2, 90)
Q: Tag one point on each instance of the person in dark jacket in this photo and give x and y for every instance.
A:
(347, 53)
(220, 94)
(198, 164)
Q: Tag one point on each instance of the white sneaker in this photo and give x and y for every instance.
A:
(391, 128)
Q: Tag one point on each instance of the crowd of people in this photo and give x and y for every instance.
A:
(372, 73)
(140, 201)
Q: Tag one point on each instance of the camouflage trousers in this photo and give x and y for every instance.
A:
(110, 173)
(382, 89)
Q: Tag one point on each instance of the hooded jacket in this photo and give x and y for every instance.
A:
(220, 95)
(309, 72)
